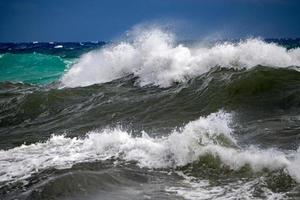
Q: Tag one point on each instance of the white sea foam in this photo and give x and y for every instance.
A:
(197, 138)
(154, 57)
(58, 46)
(202, 190)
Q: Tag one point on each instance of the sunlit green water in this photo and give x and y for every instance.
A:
(33, 68)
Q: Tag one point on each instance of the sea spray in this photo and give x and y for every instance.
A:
(155, 58)
(197, 138)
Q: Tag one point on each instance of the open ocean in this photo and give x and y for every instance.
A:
(150, 117)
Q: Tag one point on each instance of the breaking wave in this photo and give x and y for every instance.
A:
(155, 58)
(209, 135)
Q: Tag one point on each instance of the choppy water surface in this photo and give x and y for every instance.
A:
(150, 118)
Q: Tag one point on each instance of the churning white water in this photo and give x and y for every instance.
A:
(155, 58)
(197, 138)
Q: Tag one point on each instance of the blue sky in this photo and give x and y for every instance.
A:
(90, 20)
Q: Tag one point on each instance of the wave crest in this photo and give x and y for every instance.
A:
(155, 58)
(207, 135)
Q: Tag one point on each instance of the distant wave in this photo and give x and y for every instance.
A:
(154, 57)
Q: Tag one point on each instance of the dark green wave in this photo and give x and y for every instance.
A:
(35, 112)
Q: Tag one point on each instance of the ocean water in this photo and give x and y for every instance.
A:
(150, 117)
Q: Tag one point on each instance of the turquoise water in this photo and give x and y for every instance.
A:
(32, 68)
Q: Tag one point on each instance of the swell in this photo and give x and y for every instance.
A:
(263, 93)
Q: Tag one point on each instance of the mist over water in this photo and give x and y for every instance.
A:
(150, 117)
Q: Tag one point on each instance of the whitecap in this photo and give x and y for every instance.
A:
(155, 58)
(58, 46)
(179, 148)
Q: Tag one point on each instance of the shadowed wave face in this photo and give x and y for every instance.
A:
(150, 117)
